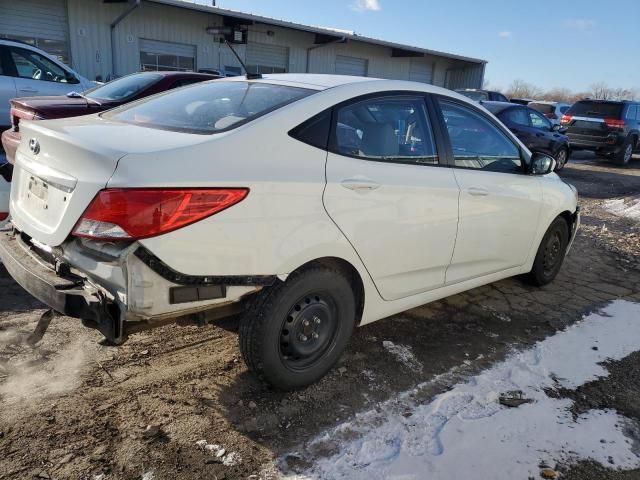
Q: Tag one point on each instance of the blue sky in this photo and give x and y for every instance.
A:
(550, 43)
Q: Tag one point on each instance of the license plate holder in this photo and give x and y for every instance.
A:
(39, 189)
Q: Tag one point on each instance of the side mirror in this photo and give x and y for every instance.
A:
(542, 164)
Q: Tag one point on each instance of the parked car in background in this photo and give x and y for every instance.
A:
(534, 130)
(521, 101)
(27, 71)
(106, 96)
(478, 95)
(5, 188)
(552, 110)
(606, 127)
(238, 196)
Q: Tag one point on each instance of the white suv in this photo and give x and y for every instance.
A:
(310, 204)
(26, 71)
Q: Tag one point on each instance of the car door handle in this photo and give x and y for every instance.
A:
(360, 184)
(539, 134)
(478, 191)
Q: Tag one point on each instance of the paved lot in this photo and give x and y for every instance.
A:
(73, 408)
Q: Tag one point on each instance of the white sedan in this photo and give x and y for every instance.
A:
(311, 204)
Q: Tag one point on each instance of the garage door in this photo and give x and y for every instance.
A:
(42, 23)
(263, 58)
(351, 66)
(158, 55)
(421, 71)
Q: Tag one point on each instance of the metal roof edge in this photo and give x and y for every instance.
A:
(311, 29)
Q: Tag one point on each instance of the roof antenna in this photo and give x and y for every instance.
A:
(248, 76)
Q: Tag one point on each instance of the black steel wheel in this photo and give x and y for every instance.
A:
(295, 331)
(551, 253)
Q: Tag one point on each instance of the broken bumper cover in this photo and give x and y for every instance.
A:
(66, 293)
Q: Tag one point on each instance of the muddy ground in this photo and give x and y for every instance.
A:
(73, 408)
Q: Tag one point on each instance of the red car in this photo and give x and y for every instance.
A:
(110, 95)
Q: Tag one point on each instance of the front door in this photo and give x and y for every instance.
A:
(389, 194)
(35, 74)
(499, 203)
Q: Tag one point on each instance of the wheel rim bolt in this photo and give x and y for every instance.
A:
(314, 335)
(303, 337)
(305, 323)
(317, 320)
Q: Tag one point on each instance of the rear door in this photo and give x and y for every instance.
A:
(517, 119)
(543, 137)
(499, 203)
(390, 194)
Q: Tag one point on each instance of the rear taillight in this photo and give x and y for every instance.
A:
(16, 114)
(566, 119)
(4, 216)
(136, 213)
(614, 123)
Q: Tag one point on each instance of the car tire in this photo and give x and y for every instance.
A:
(562, 157)
(551, 253)
(623, 157)
(294, 332)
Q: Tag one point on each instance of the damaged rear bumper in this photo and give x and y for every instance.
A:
(63, 291)
(119, 290)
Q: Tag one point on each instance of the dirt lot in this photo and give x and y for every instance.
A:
(74, 408)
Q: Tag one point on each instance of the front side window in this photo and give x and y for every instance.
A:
(208, 107)
(386, 129)
(539, 121)
(477, 143)
(124, 88)
(34, 66)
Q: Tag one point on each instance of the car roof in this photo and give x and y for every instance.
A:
(320, 82)
(497, 107)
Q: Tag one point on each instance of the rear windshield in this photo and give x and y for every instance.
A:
(586, 108)
(209, 107)
(474, 95)
(123, 88)
(543, 108)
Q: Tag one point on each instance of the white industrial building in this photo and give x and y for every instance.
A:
(102, 39)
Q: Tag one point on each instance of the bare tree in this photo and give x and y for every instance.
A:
(521, 89)
(563, 95)
(600, 91)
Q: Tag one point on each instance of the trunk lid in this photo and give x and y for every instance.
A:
(590, 117)
(62, 164)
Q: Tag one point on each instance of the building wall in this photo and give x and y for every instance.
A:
(90, 44)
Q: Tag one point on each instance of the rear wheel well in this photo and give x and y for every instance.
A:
(349, 271)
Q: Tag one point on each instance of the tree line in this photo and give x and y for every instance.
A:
(597, 91)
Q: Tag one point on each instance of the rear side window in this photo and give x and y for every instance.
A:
(207, 108)
(477, 143)
(518, 116)
(391, 129)
(314, 131)
(632, 112)
(594, 109)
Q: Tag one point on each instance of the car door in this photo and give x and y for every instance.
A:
(36, 74)
(390, 194)
(7, 88)
(517, 120)
(499, 203)
(544, 138)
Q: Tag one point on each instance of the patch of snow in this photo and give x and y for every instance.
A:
(629, 208)
(232, 459)
(148, 476)
(403, 354)
(465, 430)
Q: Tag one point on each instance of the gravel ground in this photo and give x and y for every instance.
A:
(75, 408)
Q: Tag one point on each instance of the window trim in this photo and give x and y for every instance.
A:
(525, 159)
(395, 94)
